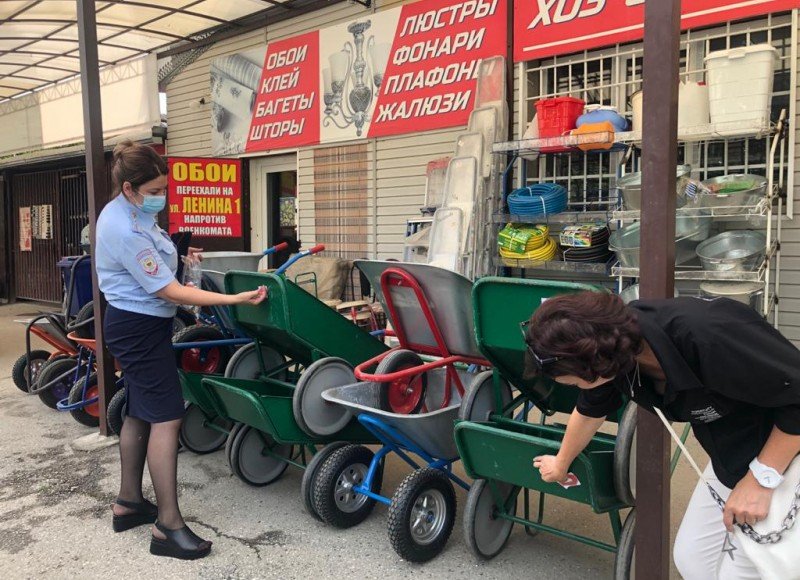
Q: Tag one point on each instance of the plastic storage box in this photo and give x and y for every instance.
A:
(557, 117)
(226, 261)
(740, 86)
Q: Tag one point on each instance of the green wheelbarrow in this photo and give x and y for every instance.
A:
(497, 445)
(299, 345)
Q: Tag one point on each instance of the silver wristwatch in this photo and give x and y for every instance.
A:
(765, 476)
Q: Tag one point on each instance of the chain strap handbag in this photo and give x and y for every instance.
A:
(773, 545)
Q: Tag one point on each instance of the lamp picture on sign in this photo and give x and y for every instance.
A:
(351, 81)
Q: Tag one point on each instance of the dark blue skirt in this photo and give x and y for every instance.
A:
(142, 344)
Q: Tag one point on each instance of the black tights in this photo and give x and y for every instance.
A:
(158, 444)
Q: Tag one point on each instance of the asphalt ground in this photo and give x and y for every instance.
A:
(55, 518)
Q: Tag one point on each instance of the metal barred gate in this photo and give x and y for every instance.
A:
(48, 211)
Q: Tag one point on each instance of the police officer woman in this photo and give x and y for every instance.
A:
(713, 363)
(136, 264)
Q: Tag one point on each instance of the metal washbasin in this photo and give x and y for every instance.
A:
(733, 251)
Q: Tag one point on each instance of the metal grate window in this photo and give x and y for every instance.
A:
(610, 76)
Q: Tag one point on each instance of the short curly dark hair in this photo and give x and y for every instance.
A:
(591, 334)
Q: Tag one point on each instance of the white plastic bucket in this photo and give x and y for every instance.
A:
(692, 105)
(637, 100)
(740, 86)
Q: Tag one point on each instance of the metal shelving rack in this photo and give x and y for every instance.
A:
(769, 210)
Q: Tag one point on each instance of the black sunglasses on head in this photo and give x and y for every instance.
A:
(540, 362)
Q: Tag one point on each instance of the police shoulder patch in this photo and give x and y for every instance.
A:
(147, 260)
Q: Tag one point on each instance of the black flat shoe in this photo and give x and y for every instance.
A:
(183, 544)
(144, 513)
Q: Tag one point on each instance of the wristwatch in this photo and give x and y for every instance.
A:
(765, 475)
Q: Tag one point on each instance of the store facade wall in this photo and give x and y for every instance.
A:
(395, 166)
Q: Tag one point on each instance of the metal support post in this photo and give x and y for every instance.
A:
(96, 184)
(660, 152)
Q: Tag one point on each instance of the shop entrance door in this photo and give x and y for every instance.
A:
(273, 197)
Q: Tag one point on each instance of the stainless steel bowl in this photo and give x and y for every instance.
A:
(625, 241)
(734, 251)
(734, 202)
(631, 187)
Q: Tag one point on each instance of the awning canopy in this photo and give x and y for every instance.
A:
(39, 38)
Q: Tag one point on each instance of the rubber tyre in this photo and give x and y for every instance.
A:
(625, 455)
(310, 474)
(63, 388)
(251, 465)
(411, 496)
(90, 414)
(183, 320)
(349, 463)
(393, 395)
(85, 313)
(191, 359)
(313, 414)
(479, 401)
(229, 442)
(117, 411)
(244, 363)
(626, 550)
(486, 535)
(196, 437)
(19, 372)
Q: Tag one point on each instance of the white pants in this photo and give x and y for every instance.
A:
(698, 546)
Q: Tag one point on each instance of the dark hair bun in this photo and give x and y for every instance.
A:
(136, 163)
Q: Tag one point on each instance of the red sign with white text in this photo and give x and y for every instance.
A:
(286, 110)
(205, 196)
(544, 28)
(430, 77)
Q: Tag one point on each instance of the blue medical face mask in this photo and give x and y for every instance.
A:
(153, 203)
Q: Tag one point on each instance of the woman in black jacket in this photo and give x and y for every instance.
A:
(713, 363)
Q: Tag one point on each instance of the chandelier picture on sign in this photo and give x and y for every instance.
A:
(351, 81)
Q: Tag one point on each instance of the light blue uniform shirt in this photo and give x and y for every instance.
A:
(134, 259)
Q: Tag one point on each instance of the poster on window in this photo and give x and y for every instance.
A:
(205, 196)
(25, 233)
(397, 71)
(545, 28)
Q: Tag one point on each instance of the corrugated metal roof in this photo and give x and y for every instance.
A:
(39, 38)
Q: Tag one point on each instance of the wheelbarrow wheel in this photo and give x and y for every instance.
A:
(85, 314)
(625, 456)
(479, 402)
(624, 565)
(211, 360)
(183, 319)
(28, 367)
(422, 515)
(258, 459)
(334, 499)
(117, 411)
(310, 474)
(61, 389)
(229, 444)
(88, 415)
(486, 534)
(403, 396)
(244, 363)
(314, 415)
(195, 433)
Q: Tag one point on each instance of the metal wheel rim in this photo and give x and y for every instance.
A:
(346, 499)
(489, 531)
(254, 464)
(92, 409)
(192, 360)
(196, 433)
(31, 372)
(405, 394)
(61, 389)
(428, 516)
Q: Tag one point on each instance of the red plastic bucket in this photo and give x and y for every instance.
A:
(556, 117)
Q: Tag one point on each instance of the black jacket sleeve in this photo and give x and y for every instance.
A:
(599, 402)
(744, 358)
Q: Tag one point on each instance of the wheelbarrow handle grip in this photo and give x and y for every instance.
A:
(279, 248)
(317, 249)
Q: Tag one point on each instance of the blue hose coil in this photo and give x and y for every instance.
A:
(542, 199)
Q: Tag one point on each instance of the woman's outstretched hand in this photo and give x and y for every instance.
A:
(551, 468)
(253, 297)
(747, 504)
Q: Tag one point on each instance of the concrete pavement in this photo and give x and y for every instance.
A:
(55, 520)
